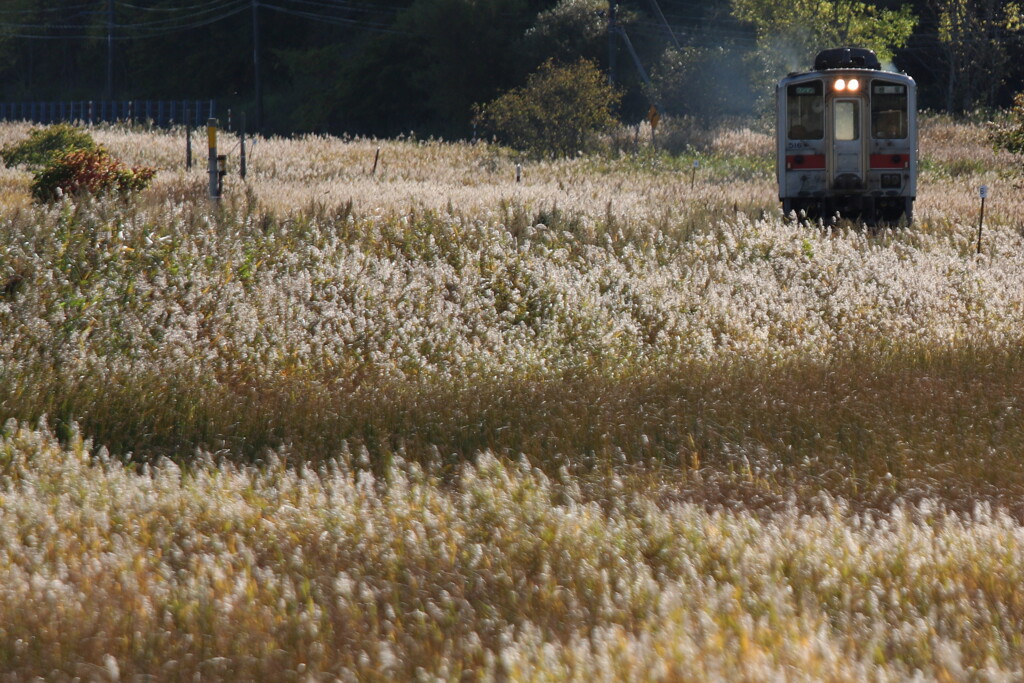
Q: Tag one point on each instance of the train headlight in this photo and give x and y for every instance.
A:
(853, 85)
(840, 85)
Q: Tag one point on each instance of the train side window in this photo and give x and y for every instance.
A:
(805, 111)
(888, 111)
(847, 119)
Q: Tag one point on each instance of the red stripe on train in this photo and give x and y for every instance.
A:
(795, 162)
(890, 161)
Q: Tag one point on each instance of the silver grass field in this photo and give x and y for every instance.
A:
(615, 422)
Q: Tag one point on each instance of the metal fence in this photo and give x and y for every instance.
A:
(161, 113)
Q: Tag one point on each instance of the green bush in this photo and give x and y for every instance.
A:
(88, 171)
(558, 112)
(46, 144)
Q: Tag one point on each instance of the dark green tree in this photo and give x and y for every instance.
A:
(50, 49)
(569, 31)
(705, 83)
(975, 38)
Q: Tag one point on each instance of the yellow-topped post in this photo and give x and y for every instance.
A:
(211, 137)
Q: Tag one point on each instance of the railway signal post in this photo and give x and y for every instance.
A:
(211, 137)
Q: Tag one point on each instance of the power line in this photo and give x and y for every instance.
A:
(337, 20)
(125, 31)
(193, 18)
(210, 4)
(199, 15)
(160, 21)
(351, 6)
(47, 10)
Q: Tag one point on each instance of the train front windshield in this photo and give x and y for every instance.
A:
(847, 123)
(888, 111)
(805, 111)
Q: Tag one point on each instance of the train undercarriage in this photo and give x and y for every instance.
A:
(863, 209)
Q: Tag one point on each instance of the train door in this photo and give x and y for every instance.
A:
(847, 167)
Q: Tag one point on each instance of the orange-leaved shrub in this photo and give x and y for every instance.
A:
(88, 171)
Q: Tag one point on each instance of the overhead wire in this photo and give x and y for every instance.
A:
(126, 31)
(152, 30)
(351, 6)
(222, 9)
(182, 18)
(32, 11)
(336, 20)
(168, 20)
(188, 8)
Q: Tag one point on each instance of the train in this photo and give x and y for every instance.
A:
(847, 141)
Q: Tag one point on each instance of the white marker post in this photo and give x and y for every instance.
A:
(693, 173)
(983, 193)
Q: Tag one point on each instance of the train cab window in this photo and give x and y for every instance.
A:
(888, 111)
(847, 119)
(805, 107)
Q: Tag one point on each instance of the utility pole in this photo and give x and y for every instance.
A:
(636, 58)
(612, 28)
(257, 75)
(110, 49)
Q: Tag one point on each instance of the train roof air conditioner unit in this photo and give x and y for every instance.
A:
(846, 58)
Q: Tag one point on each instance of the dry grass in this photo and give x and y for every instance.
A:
(282, 572)
(433, 423)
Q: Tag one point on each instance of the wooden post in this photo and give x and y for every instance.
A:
(188, 141)
(983, 193)
(241, 162)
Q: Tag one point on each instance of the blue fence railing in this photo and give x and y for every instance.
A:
(161, 113)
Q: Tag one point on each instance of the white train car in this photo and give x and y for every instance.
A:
(847, 140)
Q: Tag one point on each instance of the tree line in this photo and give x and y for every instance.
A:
(386, 67)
